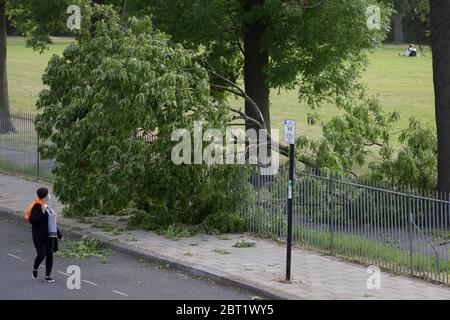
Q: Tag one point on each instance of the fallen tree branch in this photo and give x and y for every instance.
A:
(240, 92)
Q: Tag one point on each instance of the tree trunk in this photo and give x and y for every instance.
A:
(123, 8)
(5, 117)
(440, 40)
(398, 28)
(255, 62)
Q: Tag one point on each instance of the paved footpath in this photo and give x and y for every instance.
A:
(260, 267)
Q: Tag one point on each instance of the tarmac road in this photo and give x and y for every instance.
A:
(116, 277)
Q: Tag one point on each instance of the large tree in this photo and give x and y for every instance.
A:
(36, 19)
(410, 21)
(5, 121)
(440, 39)
(316, 46)
(398, 22)
(113, 101)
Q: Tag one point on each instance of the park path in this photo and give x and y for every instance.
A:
(314, 276)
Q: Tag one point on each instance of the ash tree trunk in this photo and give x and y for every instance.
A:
(398, 28)
(256, 61)
(5, 116)
(440, 39)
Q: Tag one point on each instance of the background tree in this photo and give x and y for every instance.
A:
(410, 21)
(398, 21)
(440, 40)
(37, 20)
(319, 47)
(5, 120)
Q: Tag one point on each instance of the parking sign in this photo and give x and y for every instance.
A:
(289, 131)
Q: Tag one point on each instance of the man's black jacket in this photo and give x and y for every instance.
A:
(39, 227)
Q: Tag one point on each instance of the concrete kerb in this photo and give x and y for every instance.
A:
(152, 257)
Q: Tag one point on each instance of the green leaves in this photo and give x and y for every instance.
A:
(113, 101)
(320, 50)
(349, 140)
(85, 248)
(37, 19)
(361, 138)
(415, 163)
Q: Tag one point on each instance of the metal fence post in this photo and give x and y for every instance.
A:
(410, 229)
(258, 188)
(331, 217)
(37, 157)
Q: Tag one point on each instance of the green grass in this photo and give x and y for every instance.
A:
(85, 220)
(25, 69)
(115, 231)
(87, 247)
(402, 84)
(221, 251)
(355, 248)
(244, 244)
(28, 170)
(133, 239)
(103, 226)
(362, 249)
(176, 231)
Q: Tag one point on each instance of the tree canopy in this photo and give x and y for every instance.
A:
(113, 100)
(319, 49)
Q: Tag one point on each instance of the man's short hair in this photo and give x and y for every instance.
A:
(42, 192)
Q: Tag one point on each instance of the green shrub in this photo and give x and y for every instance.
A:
(157, 217)
(176, 231)
(224, 222)
(106, 163)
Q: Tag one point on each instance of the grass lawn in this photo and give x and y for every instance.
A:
(402, 84)
(25, 69)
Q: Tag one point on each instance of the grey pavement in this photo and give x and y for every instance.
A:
(261, 267)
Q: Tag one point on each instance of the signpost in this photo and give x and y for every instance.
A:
(289, 138)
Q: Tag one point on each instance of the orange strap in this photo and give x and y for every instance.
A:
(28, 212)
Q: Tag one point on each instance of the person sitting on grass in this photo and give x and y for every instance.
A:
(410, 52)
(45, 233)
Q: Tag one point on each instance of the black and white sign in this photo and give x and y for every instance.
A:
(289, 131)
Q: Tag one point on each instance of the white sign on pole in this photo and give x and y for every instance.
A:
(289, 131)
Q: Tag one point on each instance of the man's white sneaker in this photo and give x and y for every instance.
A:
(49, 279)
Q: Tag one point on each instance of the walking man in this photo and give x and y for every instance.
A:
(44, 231)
